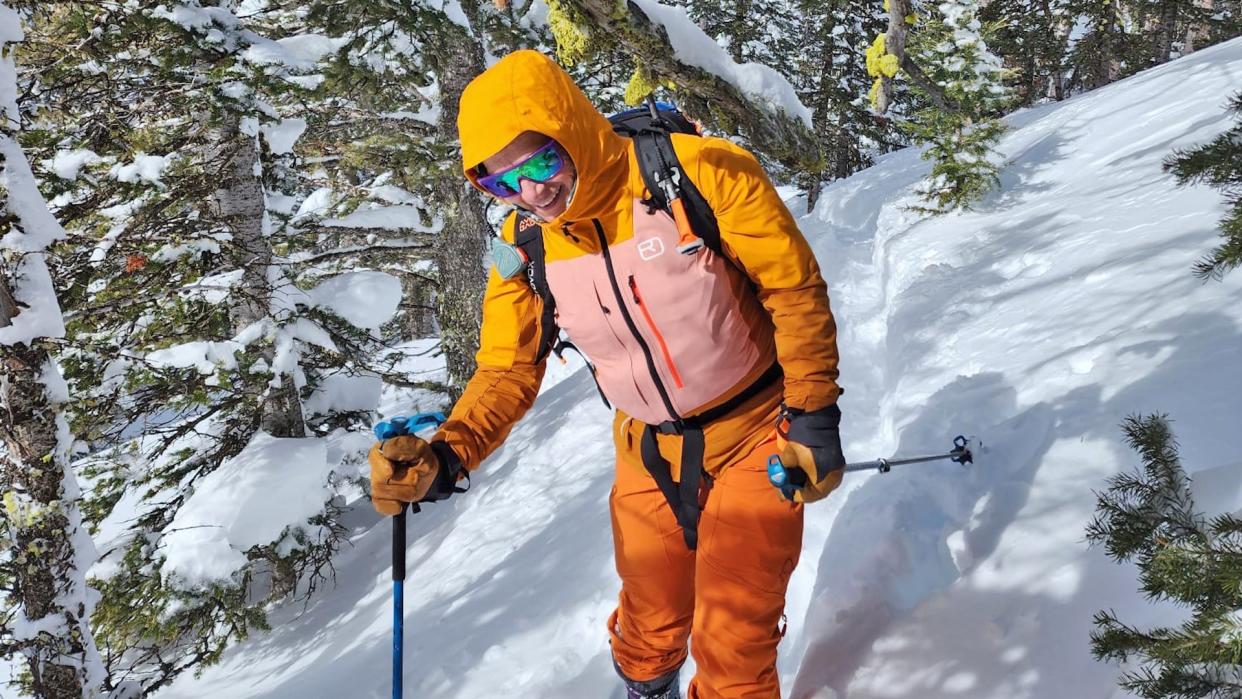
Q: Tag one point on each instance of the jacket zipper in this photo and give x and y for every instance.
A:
(629, 322)
(668, 356)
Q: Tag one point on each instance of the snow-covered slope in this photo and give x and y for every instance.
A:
(1037, 322)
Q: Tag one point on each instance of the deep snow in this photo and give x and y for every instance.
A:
(1037, 322)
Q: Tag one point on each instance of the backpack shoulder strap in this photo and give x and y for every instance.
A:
(657, 160)
(528, 236)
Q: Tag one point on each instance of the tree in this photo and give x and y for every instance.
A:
(587, 28)
(1032, 37)
(203, 328)
(832, 83)
(1149, 517)
(414, 52)
(45, 603)
(958, 83)
(1218, 164)
(1108, 49)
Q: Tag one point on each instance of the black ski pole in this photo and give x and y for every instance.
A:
(962, 453)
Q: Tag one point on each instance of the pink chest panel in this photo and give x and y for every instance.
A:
(664, 330)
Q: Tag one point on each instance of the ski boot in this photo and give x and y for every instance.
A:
(664, 687)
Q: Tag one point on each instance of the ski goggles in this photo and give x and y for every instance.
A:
(540, 166)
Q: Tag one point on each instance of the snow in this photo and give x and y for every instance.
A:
(316, 203)
(365, 298)
(247, 501)
(343, 393)
(694, 47)
(393, 218)
(68, 163)
(145, 168)
(36, 229)
(213, 288)
(1063, 303)
(204, 355)
(300, 52)
(10, 33)
(283, 135)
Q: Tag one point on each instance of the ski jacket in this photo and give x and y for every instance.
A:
(670, 335)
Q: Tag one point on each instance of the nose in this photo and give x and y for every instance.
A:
(533, 191)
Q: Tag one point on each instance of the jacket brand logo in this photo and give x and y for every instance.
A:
(650, 248)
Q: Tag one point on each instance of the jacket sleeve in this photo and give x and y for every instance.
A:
(759, 233)
(507, 379)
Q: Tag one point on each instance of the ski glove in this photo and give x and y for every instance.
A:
(812, 454)
(409, 469)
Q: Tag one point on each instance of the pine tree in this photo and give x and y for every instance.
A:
(1218, 164)
(750, 30)
(1032, 37)
(197, 333)
(1149, 517)
(1109, 48)
(832, 83)
(1173, 28)
(45, 604)
(958, 84)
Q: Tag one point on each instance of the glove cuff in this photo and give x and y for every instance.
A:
(445, 484)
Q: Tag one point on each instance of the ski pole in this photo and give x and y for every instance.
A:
(962, 453)
(398, 598)
(387, 429)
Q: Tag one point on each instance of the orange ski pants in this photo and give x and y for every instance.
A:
(727, 597)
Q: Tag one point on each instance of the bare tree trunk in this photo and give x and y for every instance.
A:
(241, 205)
(463, 241)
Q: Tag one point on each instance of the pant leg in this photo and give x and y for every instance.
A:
(749, 543)
(652, 621)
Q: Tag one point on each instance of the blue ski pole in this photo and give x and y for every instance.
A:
(385, 430)
(398, 599)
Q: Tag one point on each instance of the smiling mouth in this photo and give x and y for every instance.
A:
(545, 204)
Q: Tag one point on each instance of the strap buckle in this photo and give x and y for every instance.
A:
(671, 427)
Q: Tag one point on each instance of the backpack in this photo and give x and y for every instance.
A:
(668, 188)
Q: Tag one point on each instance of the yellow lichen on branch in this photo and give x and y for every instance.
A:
(571, 36)
(641, 84)
(880, 65)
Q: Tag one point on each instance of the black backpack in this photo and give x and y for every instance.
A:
(650, 128)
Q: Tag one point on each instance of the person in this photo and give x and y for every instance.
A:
(701, 355)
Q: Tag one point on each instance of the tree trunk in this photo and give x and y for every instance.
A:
(241, 206)
(42, 550)
(463, 241)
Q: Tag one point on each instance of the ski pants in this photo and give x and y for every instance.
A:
(727, 597)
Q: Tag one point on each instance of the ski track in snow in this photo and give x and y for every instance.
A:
(1037, 322)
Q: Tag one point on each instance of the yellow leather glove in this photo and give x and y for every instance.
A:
(408, 469)
(812, 453)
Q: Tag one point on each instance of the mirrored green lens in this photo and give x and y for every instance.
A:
(540, 167)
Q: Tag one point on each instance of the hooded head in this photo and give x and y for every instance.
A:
(527, 92)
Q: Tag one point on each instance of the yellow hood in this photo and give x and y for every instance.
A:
(527, 91)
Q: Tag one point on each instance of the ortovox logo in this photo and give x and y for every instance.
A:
(650, 248)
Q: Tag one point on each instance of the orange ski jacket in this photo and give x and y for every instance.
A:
(709, 328)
